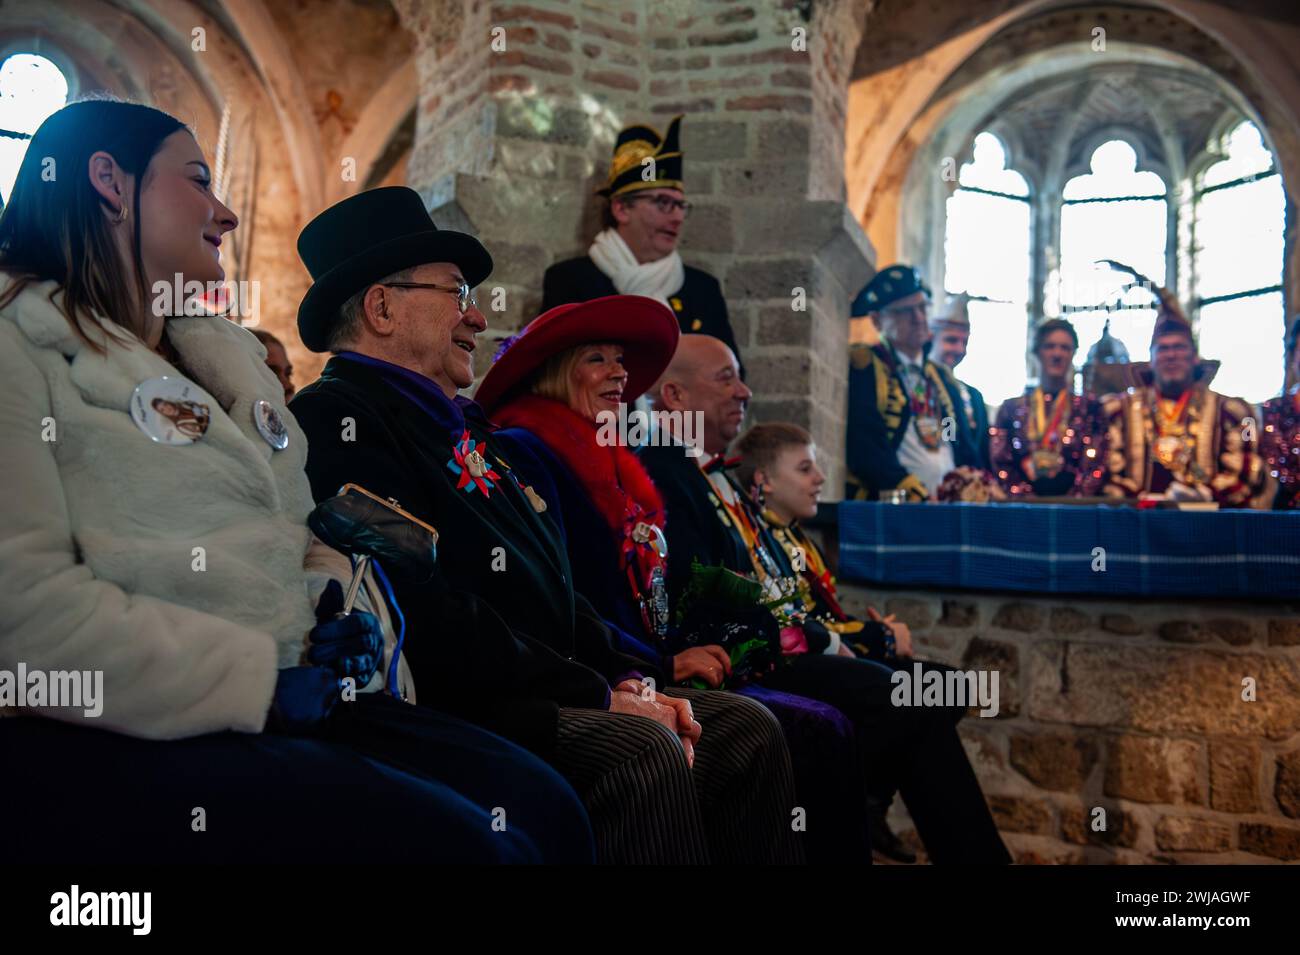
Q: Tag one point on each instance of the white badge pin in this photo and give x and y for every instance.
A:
(171, 411)
(269, 425)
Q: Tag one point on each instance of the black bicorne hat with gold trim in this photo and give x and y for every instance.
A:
(628, 171)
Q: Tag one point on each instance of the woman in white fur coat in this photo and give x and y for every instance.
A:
(175, 575)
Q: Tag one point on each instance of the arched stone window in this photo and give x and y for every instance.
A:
(31, 88)
(987, 256)
(1118, 212)
(1238, 249)
(1150, 159)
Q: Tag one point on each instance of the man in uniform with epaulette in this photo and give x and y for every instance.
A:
(906, 427)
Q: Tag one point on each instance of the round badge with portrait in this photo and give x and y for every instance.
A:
(270, 425)
(171, 411)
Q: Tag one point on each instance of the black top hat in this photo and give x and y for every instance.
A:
(366, 237)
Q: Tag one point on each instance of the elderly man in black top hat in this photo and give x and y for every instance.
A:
(501, 637)
(907, 428)
(636, 253)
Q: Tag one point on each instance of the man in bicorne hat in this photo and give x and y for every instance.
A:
(1175, 438)
(951, 336)
(906, 426)
(636, 253)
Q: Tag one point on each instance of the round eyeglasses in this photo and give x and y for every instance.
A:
(465, 297)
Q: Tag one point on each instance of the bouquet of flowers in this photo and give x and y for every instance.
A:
(970, 485)
(721, 607)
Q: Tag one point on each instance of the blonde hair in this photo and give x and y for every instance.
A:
(554, 379)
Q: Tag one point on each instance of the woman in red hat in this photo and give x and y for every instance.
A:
(557, 387)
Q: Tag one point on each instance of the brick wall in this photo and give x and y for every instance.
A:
(1132, 707)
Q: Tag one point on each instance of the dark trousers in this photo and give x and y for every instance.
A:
(914, 751)
(632, 776)
(828, 777)
(744, 780)
(647, 806)
(384, 780)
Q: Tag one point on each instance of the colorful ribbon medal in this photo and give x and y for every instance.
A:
(468, 462)
(1048, 461)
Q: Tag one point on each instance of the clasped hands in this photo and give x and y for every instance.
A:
(640, 699)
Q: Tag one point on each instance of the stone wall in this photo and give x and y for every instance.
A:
(1135, 708)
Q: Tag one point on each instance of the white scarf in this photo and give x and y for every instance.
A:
(656, 280)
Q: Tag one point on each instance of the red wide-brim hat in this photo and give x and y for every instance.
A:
(647, 330)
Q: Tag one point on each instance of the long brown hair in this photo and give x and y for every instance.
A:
(54, 227)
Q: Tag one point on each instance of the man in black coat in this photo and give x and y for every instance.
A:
(636, 254)
(501, 637)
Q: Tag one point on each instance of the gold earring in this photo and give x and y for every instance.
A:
(121, 214)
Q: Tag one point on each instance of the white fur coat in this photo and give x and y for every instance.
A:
(99, 527)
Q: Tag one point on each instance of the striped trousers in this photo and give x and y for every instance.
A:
(646, 806)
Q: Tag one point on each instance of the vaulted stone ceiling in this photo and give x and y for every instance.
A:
(900, 30)
(1142, 98)
(1148, 99)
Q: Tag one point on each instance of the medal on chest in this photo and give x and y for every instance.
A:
(927, 429)
(1048, 460)
(925, 413)
(1173, 451)
(1048, 463)
(644, 533)
(1173, 446)
(471, 468)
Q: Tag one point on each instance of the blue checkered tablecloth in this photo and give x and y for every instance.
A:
(1054, 548)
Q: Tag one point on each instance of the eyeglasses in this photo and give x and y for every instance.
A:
(465, 298)
(665, 204)
(898, 311)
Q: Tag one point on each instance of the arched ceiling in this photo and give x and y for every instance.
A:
(901, 30)
(1169, 111)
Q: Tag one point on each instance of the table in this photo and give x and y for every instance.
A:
(1054, 548)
